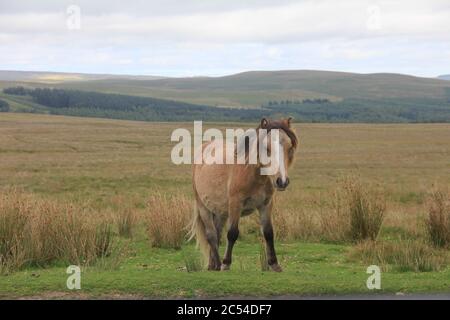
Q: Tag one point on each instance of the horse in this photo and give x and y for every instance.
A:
(226, 192)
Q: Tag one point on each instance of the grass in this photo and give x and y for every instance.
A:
(126, 222)
(122, 170)
(309, 268)
(193, 262)
(403, 256)
(167, 218)
(355, 214)
(438, 222)
(263, 256)
(294, 225)
(126, 217)
(366, 208)
(36, 232)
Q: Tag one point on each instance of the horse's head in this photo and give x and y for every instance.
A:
(282, 153)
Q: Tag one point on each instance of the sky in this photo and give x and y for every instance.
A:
(220, 37)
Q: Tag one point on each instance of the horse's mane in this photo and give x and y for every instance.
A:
(281, 125)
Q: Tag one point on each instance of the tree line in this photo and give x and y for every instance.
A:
(4, 106)
(296, 101)
(119, 106)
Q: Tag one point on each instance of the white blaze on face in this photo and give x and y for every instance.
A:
(282, 165)
(271, 165)
(275, 165)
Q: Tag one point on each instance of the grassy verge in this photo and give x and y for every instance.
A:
(151, 272)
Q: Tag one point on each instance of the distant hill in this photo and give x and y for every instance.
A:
(252, 89)
(444, 77)
(58, 77)
(314, 96)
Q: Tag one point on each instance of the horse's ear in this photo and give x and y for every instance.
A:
(264, 123)
(288, 120)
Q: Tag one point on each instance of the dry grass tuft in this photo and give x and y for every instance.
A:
(38, 232)
(125, 216)
(167, 218)
(404, 256)
(295, 224)
(358, 212)
(438, 222)
(355, 213)
(367, 207)
(335, 222)
(126, 221)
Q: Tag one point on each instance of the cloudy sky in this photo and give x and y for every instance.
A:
(217, 37)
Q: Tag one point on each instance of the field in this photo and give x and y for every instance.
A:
(109, 165)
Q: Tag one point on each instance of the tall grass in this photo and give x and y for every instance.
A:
(166, 219)
(358, 212)
(126, 217)
(296, 224)
(438, 222)
(126, 221)
(366, 206)
(354, 212)
(406, 255)
(335, 220)
(36, 232)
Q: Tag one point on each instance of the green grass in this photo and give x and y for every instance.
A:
(308, 269)
(90, 161)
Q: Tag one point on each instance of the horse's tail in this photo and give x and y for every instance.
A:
(197, 230)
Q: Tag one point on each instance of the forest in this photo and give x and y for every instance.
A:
(128, 107)
(4, 106)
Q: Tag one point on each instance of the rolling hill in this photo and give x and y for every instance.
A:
(251, 89)
(318, 96)
(444, 77)
(58, 77)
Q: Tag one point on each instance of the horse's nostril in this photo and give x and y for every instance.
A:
(279, 182)
(287, 182)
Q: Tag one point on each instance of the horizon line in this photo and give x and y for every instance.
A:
(222, 75)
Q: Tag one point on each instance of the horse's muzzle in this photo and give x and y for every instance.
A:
(281, 185)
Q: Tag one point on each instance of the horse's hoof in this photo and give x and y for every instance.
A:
(225, 267)
(214, 267)
(276, 267)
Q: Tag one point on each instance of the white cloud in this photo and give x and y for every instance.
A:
(221, 35)
(307, 20)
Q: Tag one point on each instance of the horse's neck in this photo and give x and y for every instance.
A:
(254, 172)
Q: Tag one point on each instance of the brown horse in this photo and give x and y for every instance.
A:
(225, 192)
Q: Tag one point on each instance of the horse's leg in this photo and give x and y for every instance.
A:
(232, 235)
(267, 230)
(218, 223)
(211, 236)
